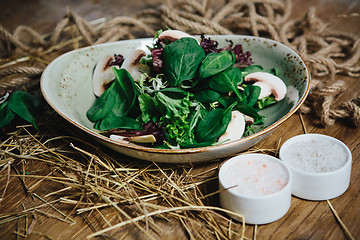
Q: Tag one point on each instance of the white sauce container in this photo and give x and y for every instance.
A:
(320, 166)
(256, 186)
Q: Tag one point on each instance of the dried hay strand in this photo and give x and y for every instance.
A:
(113, 193)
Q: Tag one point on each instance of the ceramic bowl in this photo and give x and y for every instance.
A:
(66, 86)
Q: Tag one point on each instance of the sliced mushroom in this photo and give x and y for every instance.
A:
(277, 86)
(173, 35)
(235, 129)
(118, 138)
(103, 75)
(265, 89)
(143, 139)
(136, 139)
(248, 120)
(133, 66)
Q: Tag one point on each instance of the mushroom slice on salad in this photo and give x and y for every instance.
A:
(103, 75)
(265, 89)
(267, 80)
(133, 66)
(149, 138)
(235, 129)
(173, 35)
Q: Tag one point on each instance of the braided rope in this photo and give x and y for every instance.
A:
(327, 52)
(30, 71)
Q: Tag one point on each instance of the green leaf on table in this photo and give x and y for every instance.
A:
(251, 69)
(6, 115)
(25, 106)
(174, 92)
(192, 143)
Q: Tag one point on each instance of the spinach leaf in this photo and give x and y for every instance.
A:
(127, 89)
(251, 94)
(117, 100)
(207, 96)
(25, 106)
(251, 69)
(192, 143)
(6, 115)
(248, 110)
(173, 92)
(104, 104)
(227, 81)
(213, 124)
(114, 122)
(215, 63)
(241, 107)
(181, 60)
(258, 68)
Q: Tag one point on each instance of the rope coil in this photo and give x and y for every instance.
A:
(327, 52)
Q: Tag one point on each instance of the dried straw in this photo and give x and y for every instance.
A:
(90, 181)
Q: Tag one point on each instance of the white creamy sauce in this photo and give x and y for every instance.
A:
(317, 156)
(256, 177)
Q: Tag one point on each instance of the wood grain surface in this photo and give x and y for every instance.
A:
(304, 220)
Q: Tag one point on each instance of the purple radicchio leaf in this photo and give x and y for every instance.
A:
(118, 60)
(241, 58)
(157, 59)
(209, 45)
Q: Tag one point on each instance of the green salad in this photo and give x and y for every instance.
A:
(185, 94)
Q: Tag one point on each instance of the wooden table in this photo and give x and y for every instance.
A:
(304, 220)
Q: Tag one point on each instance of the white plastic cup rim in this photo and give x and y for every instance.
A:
(318, 186)
(255, 209)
